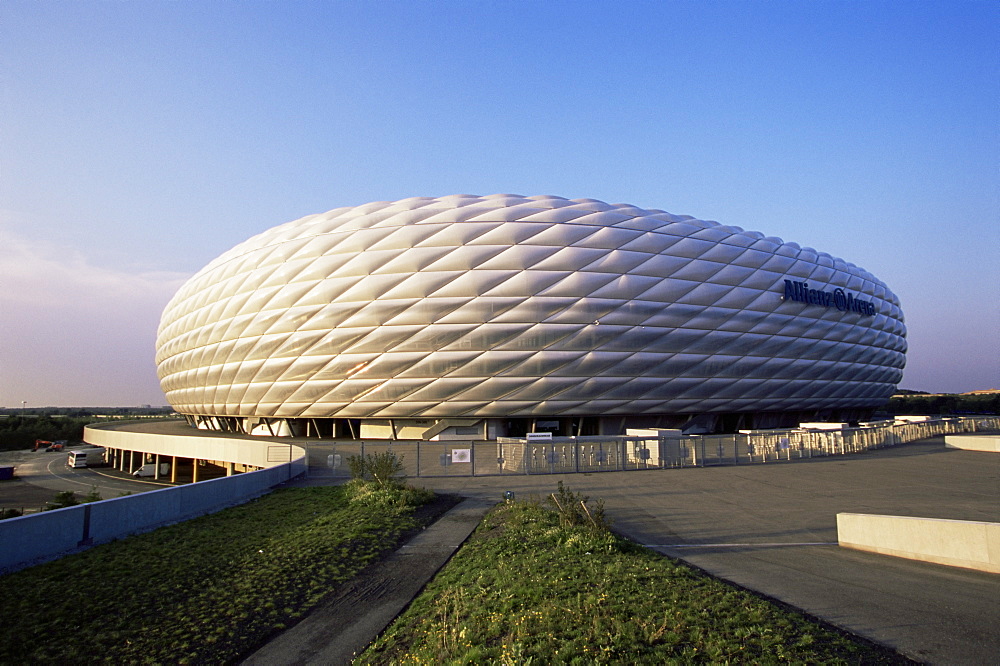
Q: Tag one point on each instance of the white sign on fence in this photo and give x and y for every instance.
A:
(461, 455)
(539, 436)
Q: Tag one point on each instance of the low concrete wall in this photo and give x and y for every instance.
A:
(990, 443)
(44, 536)
(957, 543)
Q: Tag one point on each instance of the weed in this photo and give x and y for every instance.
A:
(92, 496)
(573, 510)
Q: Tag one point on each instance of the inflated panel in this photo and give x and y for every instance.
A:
(524, 306)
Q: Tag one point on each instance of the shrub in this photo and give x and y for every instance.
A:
(385, 468)
(62, 500)
(9, 513)
(68, 498)
(378, 480)
(392, 496)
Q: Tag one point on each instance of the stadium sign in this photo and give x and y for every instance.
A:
(844, 301)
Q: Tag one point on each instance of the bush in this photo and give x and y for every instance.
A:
(9, 513)
(377, 480)
(392, 496)
(386, 468)
(68, 498)
(62, 500)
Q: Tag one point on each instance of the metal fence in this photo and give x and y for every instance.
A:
(561, 455)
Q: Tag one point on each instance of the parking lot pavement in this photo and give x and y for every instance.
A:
(40, 475)
(772, 528)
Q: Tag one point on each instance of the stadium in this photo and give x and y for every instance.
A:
(467, 317)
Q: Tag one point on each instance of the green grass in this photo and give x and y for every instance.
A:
(531, 587)
(206, 591)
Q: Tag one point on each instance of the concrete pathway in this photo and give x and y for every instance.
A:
(344, 625)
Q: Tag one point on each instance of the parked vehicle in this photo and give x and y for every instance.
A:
(86, 458)
(149, 469)
(50, 446)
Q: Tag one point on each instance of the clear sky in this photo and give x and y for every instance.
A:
(139, 140)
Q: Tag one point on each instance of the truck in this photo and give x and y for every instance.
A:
(86, 458)
(149, 469)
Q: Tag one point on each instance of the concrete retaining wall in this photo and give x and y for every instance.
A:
(957, 543)
(990, 443)
(44, 536)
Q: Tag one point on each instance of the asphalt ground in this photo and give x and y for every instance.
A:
(40, 475)
(772, 528)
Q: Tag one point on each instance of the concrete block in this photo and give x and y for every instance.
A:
(989, 443)
(959, 543)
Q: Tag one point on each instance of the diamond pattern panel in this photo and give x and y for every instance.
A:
(521, 306)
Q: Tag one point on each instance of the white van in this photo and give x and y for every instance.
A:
(149, 469)
(86, 458)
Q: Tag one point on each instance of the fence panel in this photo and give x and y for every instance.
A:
(456, 458)
(329, 458)
(599, 456)
(607, 454)
(555, 457)
(718, 450)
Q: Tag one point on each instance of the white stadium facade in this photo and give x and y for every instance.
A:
(478, 317)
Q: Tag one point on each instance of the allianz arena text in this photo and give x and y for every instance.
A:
(479, 317)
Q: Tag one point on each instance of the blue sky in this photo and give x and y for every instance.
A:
(139, 140)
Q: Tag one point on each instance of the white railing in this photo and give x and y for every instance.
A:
(608, 454)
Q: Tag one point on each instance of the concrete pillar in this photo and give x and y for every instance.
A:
(173, 469)
(156, 472)
(194, 470)
(229, 469)
(131, 461)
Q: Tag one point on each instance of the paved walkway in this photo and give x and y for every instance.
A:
(345, 625)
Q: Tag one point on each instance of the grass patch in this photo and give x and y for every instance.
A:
(209, 590)
(535, 586)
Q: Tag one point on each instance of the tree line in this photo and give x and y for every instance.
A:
(944, 404)
(20, 428)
